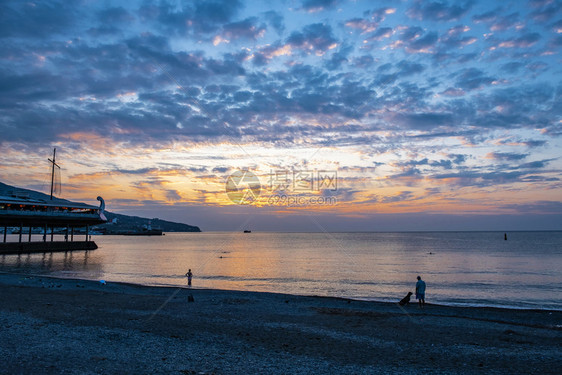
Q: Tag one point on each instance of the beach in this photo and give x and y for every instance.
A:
(64, 326)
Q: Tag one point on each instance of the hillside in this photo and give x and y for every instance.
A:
(126, 223)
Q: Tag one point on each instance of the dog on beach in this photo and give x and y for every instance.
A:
(405, 300)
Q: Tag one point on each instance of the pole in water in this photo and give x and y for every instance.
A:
(505, 236)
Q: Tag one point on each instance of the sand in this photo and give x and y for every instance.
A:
(61, 326)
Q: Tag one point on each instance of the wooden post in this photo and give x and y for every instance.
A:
(66, 235)
(72, 234)
(21, 230)
(87, 231)
(29, 237)
(45, 234)
(52, 232)
(5, 232)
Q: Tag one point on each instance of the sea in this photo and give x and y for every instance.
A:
(459, 268)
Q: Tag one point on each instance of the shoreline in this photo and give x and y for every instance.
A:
(171, 289)
(373, 300)
(81, 326)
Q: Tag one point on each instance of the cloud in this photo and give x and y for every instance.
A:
(339, 57)
(524, 41)
(487, 17)
(37, 20)
(537, 66)
(318, 5)
(438, 11)
(454, 38)
(473, 79)
(475, 178)
(199, 16)
(530, 143)
(245, 29)
(451, 91)
(506, 156)
(430, 96)
(538, 164)
(216, 11)
(115, 15)
(380, 34)
(546, 11)
(276, 20)
(556, 42)
(173, 195)
(221, 170)
(413, 163)
(401, 196)
(364, 61)
(423, 121)
(534, 143)
(498, 22)
(365, 26)
(385, 79)
(408, 68)
(422, 44)
(557, 27)
(458, 158)
(410, 33)
(512, 67)
(442, 163)
(542, 206)
(139, 171)
(317, 38)
(110, 21)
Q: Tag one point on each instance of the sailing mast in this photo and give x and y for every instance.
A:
(53, 170)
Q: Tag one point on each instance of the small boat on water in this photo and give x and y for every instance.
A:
(247, 231)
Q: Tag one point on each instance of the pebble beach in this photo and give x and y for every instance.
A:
(64, 326)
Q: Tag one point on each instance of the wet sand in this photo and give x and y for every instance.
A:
(54, 326)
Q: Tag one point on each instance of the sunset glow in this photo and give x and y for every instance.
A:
(429, 115)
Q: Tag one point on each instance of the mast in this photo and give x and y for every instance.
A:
(53, 170)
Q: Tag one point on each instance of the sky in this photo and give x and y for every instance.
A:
(296, 115)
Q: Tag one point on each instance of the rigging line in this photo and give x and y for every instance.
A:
(163, 304)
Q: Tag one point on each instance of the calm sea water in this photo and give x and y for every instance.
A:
(460, 268)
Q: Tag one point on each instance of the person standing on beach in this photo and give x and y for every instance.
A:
(189, 275)
(420, 292)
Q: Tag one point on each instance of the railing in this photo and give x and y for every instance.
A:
(87, 213)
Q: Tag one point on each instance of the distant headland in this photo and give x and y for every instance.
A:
(118, 224)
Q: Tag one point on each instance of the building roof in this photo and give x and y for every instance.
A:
(17, 195)
(31, 208)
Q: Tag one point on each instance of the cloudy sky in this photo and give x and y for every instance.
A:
(329, 114)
